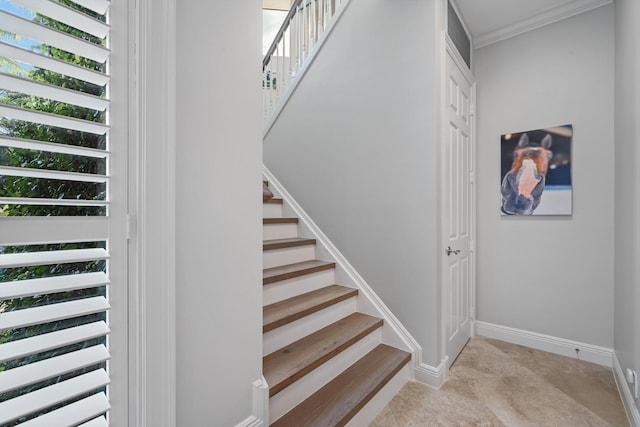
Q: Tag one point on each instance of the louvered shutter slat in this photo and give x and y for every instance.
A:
(68, 96)
(49, 285)
(38, 60)
(62, 13)
(44, 342)
(52, 174)
(51, 202)
(52, 312)
(50, 368)
(72, 414)
(52, 257)
(49, 119)
(52, 147)
(26, 404)
(35, 31)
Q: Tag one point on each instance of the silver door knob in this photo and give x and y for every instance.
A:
(450, 251)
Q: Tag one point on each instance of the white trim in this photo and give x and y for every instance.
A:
(252, 421)
(433, 376)
(152, 212)
(282, 102)
(260, 412)
(625, 394)
(564, 347)
(545, 18)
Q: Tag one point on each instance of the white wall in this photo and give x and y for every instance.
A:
(218, 210)
(550, 275)
(627, 185)
(356, 147)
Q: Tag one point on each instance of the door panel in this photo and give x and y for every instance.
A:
(458, 218)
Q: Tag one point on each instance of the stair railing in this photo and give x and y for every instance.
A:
(306, 21)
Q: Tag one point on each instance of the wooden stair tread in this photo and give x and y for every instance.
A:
(338, 401)
(286, 243)
(289, 310)
(290, 363)
(279, 221)
(289, 271)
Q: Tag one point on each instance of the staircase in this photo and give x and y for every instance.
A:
(325, 360)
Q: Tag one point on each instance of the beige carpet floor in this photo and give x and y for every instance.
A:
(494, 383)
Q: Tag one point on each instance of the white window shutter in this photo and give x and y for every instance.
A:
(55, 173)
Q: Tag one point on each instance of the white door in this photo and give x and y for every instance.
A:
(457, 266)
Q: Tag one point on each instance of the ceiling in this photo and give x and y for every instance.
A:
(490, 21)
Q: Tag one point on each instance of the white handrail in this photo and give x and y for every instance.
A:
(305, 23)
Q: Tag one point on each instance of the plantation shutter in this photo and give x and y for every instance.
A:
(56, 213)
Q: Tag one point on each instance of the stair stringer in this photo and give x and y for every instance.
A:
(393, 331)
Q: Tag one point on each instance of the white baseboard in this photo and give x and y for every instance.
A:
(625, 394)
(260, 411)
(561, 346)
(252, 422)
(433, 376)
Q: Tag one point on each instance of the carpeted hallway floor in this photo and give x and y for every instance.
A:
(494, 383)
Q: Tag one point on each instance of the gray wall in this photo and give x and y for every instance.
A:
(551, 275)
(356, 146)
(627, 185)
(218, 211)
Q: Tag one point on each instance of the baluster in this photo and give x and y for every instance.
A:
(314, 22)
(326, 14)
(281, 71)
(285, 63)
(322, 8)
(305, 34)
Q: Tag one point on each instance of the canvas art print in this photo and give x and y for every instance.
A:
(536, 172)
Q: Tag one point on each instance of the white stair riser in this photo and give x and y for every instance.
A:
(366, 415)
(271, 210)
(278, 257)
(390, 336)
(284, 335)
(284, 289)
(279, 231)
(291, 396)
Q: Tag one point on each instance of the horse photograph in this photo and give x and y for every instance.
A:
(536, 172)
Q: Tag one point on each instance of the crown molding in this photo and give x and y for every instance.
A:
(540, 20)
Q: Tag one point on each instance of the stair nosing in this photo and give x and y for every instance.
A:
(293, 220)
(327, 354)
(272, 244)
(305, 310)
(303, 271)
